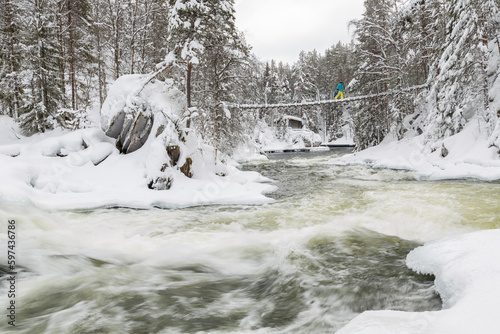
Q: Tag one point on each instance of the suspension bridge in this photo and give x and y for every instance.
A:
(330, 112)
(330, 102)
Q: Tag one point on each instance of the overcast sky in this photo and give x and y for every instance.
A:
(280, 29)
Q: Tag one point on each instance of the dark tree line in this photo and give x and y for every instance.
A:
(59, 56)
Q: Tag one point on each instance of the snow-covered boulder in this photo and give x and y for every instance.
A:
(129, 110)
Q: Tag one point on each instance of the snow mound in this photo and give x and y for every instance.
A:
(282, 137)
(467, 273)
(125, 92)
(462, 156)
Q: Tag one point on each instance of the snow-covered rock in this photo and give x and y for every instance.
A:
(128, 112)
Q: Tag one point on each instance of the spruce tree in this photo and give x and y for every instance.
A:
(376, 50)
(187, 26)
(224, 52)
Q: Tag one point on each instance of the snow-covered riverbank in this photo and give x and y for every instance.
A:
(83, 170)
(467, 273)
(462, 156)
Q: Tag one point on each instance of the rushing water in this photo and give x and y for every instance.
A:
(332, 245)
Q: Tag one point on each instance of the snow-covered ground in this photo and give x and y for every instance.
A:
(464, 155)
(268, 140)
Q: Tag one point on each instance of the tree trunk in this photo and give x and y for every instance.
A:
(101, 77)
(14, 107)
(61, 51)
(117, 40)
(144, 36)
(71, 52)
(188, 90)
(132, 39)
(484, 60)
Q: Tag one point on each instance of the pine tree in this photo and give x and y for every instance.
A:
(224, 53)
(302, 78)
(80, 53)
(115, 22)
(187, 24)
(97, 17)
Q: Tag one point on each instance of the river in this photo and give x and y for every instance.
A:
(331, 246)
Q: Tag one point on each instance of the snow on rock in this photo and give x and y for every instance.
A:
(467, 273)
(128, 112)
(464, 155)
(85, 171)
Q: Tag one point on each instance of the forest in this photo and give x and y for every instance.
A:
(59, 58)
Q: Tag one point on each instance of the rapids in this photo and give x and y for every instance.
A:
(332, 245)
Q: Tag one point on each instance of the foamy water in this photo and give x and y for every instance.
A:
(332, 246)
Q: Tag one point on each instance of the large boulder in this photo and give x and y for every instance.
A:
(136, 126)
(126, 115)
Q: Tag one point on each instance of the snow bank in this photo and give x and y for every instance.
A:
(169, 168)
(83, 170)
(467, 273)
(464, 155)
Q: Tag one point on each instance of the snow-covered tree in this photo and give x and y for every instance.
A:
(187, 25)
(10, 59)
(376, 51)
(224, 53)
(459, 79)
(40, 79)
(302, 79)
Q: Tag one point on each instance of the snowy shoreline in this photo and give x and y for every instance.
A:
(468, 156)
(467, 273)
(82, 170)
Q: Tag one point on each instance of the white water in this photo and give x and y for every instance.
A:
(332, 245)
